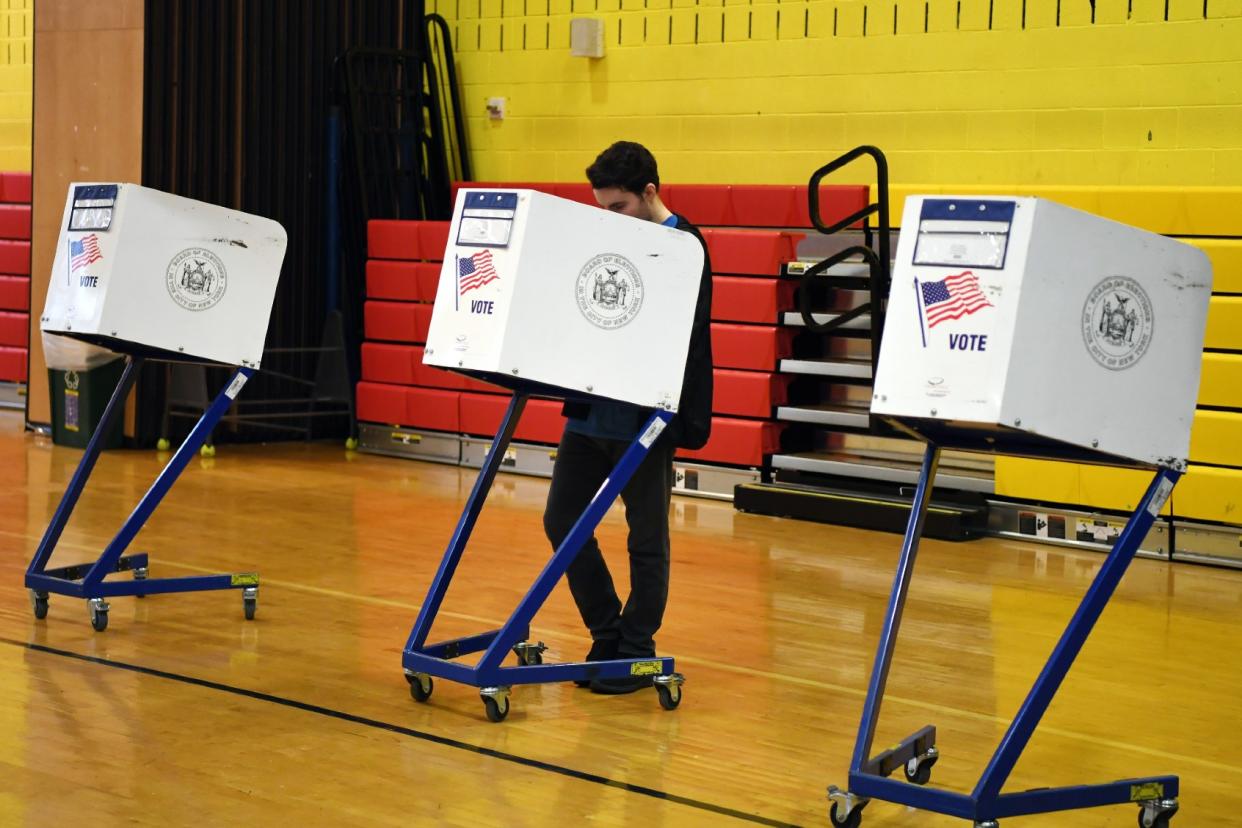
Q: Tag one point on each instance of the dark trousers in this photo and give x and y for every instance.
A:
(582, 465)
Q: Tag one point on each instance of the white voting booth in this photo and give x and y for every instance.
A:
(1020, 326)
(1026, 316)
(550, 297)
(149, 274)
(540, 289)
(136, 267)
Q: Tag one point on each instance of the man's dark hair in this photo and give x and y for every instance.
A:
(626, 165)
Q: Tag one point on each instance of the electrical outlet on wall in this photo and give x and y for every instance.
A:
(496, 109)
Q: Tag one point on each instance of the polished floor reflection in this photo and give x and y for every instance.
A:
(182, 711)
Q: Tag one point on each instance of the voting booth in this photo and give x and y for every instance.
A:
(149, 274)
(1020, 326)
(550, 297)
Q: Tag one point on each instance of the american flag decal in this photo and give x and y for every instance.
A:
(84, 251)
(475, 271)
(952, 298)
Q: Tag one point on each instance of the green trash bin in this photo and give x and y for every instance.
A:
(78, 402)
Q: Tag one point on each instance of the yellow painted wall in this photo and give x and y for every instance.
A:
(1131, 110)
(16, 83)
(770, 90)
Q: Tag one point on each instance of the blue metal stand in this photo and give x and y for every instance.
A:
(87, 580)
(1156, 796)
(422, 661)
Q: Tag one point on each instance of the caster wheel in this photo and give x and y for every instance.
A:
(990, 823)
(1157, 815)
(918, 771)
(529, 654)
(249, 607)
(38, 601)
(140, 574)
(852, 821)
(670, 695)
(351, 443)
(497, 708)
(99, 614)
(162, 444)
(421, 686)
(207, 451)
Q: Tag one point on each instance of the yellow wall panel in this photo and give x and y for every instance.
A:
(1107, 487)
(1220, 383)
(1226, 258)
(1224, 323)
(1209, 494)
(1217, 438)
(1048, 480)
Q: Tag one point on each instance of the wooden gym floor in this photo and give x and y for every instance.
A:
(183, 712)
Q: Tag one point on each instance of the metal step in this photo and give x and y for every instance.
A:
(946, 520)
(1076, 528)
(861, 322)
(714, 482)
(842, 414)
(394, 441)
(883, 467)
(12, 395)
(521, 458)
(828, 367)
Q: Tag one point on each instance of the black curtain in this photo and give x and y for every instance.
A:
(237, 97)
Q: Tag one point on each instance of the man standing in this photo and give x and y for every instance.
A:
(625, 180)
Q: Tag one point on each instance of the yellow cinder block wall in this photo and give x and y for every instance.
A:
(767, 91)
(1041, 96)
(16, 83)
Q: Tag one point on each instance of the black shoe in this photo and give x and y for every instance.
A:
(602, 650)
(620, 686)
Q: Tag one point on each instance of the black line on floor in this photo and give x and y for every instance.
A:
(405, 731)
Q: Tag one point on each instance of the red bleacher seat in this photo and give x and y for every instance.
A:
(747, 393)
(835, 203)
(394, 364)
(15, 258)
(433, 408)
(12, 364)
(579, 192)
(390, 239)
(433, 238)
(749, 347)
(541, 420)
(15, 188)
(704, 205)
(15, 221)
(14, 329)
(747, 299)
(737, 442)
(751, 252)
(381, 403)
(15, 293)
(396, 321)
(403, 281)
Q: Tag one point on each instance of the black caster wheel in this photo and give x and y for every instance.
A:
(140, 574)
(529, 654)
(250, 602)
(918, 771)
(852, 821)
(99, 615)
(38, 602)
(670, 695)
(987, 823)
(421, 686)
(1153, 818)
(497, 707)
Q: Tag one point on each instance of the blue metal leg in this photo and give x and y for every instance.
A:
(420, 657)
(85, 466)
(87, 580)
(1075, 636)
(896, 606)
(1156, 795)
(474, 505)
(572, 544)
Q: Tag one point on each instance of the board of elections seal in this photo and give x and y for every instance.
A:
(1117, 322)
(609, 291)
(196, 279)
